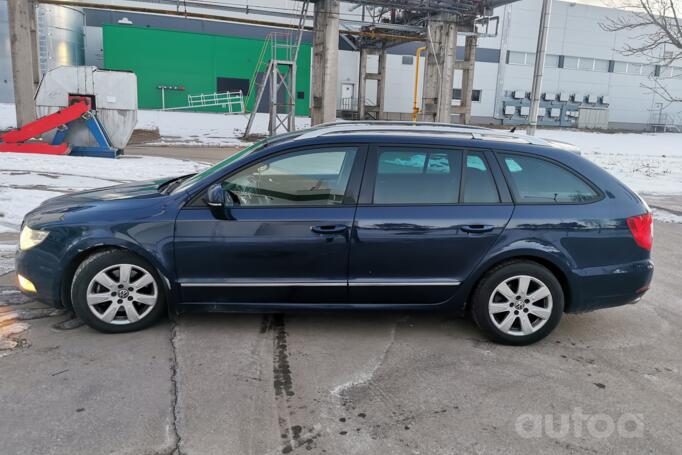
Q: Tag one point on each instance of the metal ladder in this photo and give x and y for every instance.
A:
(280, 72)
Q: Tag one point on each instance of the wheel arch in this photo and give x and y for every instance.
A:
(82, 252)
(553, 264)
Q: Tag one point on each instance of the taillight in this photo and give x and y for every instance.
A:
(642, 228)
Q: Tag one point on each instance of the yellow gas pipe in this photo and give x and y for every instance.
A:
(415, 109)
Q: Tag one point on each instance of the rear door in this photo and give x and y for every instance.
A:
(426, 217)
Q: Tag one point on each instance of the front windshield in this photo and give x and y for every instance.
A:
(220, 166)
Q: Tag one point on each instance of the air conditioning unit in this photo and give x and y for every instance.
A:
(550, 96)
(525, 111)
(605, 100)
(509, 110)
(555, 112)
(578, 97)
(564, 96)
(592, 99)
(519, 94)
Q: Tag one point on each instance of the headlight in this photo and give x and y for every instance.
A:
(30, 238)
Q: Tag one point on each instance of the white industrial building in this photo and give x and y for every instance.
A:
(587, 81)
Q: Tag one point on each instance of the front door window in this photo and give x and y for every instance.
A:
(312, 177)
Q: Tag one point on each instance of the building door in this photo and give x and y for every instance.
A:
(232, 84)
(347, 92)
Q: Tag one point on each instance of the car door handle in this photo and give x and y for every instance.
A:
(477, 228)
(329, 229)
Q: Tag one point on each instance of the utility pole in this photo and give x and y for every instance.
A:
(23, 55)
(325, 61)
(539, 66)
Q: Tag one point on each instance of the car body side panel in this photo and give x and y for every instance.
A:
(408, 244)
(256, 255)
(594, 252)
(589, 244)
(144, 226)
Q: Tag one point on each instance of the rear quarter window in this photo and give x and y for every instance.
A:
(535, 180)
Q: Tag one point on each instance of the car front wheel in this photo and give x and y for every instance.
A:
(117, 291)
(518, 303)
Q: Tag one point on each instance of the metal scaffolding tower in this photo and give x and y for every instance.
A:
(279, 77)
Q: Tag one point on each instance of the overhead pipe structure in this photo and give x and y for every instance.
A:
(448, 17)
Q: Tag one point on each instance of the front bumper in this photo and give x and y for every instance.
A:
(606, 287)
(43, 270)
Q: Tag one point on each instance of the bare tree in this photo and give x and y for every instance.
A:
(657, 28)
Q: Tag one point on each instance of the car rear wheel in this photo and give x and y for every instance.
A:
(117, 291)
(518, 303)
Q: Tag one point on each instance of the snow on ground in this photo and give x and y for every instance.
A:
(7, 258)
(8, 117)
(648, 163)
(666, 217)
(194, 128)
(186, 128)
(26, 180)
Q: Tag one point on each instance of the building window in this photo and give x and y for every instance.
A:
(520, 58)
(620, 67)
(585, 64)
(601, 65)
(638, 69)
(457, 94)
(551, 61)
(648, 70)
(634, 68)
(300, 95)
(408, 60)
(571, 63)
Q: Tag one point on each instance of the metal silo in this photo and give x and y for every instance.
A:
(60, 42)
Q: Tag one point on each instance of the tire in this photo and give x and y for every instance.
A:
(107, 303)
(507, 314)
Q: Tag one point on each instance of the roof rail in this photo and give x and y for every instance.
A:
(443, 129)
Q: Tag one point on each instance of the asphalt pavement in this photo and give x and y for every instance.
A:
(347, 383)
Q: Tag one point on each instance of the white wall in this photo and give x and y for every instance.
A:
(574, 31)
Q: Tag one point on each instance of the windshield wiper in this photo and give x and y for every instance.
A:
(171, 184)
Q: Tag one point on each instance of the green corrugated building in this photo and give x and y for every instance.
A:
(201, 63)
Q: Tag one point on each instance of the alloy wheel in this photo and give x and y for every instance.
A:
(520, 305)
(122, 294)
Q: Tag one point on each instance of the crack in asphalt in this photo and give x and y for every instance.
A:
(174, 389)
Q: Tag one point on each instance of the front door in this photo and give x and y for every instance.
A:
(426, 217)
(285, 240)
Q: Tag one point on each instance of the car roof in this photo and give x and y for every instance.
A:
(386, 131)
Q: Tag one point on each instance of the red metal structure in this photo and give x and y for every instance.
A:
(15, 140)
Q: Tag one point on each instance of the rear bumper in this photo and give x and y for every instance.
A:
(605, 287)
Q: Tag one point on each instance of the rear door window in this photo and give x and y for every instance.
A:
(415, 175)
(479, 186)
(536, 180)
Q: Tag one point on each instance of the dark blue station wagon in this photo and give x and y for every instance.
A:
(513, 229)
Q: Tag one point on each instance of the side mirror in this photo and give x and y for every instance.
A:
(215, 196)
